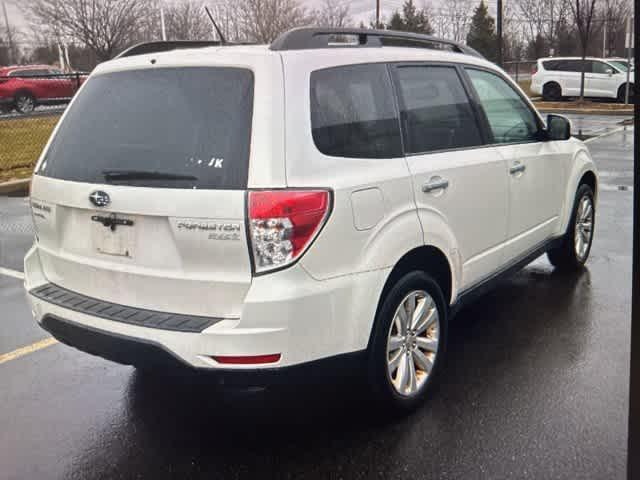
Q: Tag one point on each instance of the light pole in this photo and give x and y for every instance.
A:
(9, 36)
(500, 40)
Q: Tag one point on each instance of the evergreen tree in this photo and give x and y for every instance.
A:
(482, 34)
(410, 20)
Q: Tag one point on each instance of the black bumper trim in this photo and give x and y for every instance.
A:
(143, 353)
(120, 313)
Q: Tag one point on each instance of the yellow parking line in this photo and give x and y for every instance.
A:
(34, 347)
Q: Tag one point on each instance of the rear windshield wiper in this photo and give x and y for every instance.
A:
(144, 175)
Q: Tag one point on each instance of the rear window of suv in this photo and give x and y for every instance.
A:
(353, 112)
(160, 127)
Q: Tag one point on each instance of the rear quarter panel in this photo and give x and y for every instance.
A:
(343, 248)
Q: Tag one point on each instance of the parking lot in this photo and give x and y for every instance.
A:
(536, 385)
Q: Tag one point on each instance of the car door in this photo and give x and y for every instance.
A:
(571, 77)
(59, 85)
(40, 83)
(456, 178)
(535, 168)
(599, 79)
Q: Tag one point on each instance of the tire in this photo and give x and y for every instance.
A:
(388, 343)
(24, 102)
(572, 254)
(551, 92)
(622, 92)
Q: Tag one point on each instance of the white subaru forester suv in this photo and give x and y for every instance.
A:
(327, 201)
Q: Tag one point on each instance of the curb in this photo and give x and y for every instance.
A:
(619, 113)
(15, 187)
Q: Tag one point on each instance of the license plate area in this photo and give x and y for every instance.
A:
(113, 235)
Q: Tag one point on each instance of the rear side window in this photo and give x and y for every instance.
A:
(353, 112)
(158, 127)
(573, 66)
(435, 110)
(551, 65)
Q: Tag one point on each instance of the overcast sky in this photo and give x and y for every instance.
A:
(361, 10)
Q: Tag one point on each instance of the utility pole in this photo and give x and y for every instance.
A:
(500, 40)
(164, 31)
(9, 36)
(377, 13)
(604, 39)
(628, 42)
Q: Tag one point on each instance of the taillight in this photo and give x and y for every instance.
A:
(283, 223)
(534, 69)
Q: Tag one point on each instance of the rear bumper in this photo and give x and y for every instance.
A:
(287, 313)
(134, 351)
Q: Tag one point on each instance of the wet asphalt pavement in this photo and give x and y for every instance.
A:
(536, 386)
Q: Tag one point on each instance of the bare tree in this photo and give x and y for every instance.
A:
(263, 20)
(186, 20)
(614, 14)
(453, 18)
(542, 19)
(227, 16)
(333, 15)
(583, 11)
(104, 26)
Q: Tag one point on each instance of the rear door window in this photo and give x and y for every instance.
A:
(353, 113)
(159, 127)
(435, 110)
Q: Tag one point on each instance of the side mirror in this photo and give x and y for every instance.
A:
(609, 71)
(558, 127)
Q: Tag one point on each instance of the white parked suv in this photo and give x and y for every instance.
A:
(558, 77)
(263, 211)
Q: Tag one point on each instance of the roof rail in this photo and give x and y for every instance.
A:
(317, 37)
(165, 46)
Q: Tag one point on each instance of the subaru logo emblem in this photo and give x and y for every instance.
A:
(100, 198)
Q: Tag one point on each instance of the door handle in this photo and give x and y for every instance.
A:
(517, 168)
(435, 183)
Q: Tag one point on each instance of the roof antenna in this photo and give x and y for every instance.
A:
(215, 25)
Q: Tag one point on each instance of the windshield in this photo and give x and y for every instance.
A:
(620, 65)
(164, 127)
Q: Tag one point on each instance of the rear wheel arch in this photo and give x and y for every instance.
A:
(549, 84)
(24, 91)
(426, 258)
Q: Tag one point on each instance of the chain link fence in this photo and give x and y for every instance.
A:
(31, 102)
(521, 71)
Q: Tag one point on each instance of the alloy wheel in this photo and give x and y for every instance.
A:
(583, 233)
(412, 342)
(25, 104)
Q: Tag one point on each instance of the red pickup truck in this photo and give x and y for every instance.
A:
(26, 86)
